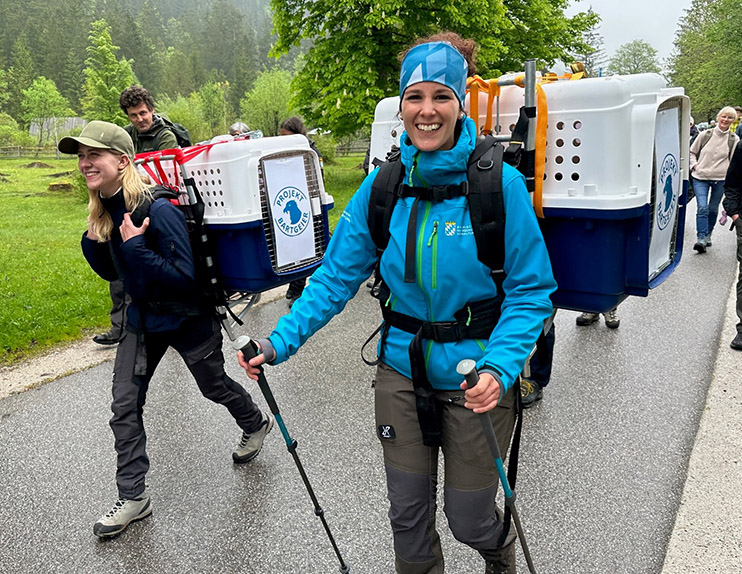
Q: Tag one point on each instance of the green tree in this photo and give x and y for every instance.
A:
(352, 63)
(186, 111)
(11, 133)
(214, 106)
(43, 104)
(636, 57)
(105, 77)
(20, 76)
(595, 58)
(4, 95)
(267, 104)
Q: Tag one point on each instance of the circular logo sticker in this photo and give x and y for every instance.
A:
(667, 199)
(291, 211)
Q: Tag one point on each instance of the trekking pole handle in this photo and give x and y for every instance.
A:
(249, 349)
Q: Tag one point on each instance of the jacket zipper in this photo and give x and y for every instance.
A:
(433, 241)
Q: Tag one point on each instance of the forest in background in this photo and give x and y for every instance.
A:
(210, 62)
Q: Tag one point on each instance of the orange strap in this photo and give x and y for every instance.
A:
(539, 160)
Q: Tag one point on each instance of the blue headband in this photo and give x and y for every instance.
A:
(434, 62)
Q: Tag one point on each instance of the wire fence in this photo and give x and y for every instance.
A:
(29, 152)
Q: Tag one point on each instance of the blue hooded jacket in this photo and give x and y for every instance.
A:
(448, 273)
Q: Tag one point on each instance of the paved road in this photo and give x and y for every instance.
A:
(603, 460)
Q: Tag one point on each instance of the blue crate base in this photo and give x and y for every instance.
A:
(600, 257)
(243, 261)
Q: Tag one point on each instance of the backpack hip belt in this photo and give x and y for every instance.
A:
(474, 321)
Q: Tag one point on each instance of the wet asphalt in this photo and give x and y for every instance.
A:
(604, 456)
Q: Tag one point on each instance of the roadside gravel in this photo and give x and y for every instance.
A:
(71, 358)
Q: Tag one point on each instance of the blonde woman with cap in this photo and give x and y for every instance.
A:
(431, 272)
(145, 242)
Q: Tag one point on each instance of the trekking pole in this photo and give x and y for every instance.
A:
(468, 369)
(249, 350)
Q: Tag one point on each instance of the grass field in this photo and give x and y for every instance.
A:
(49, 294)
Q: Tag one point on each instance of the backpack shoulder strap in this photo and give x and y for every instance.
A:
(486, 205)
(705, 137)
(383, 197)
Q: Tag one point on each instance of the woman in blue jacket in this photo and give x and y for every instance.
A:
(431, 269)
(154, 258)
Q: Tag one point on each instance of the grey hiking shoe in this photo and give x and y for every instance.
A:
(587, 319)
(611, 319)
(123, 513)
(250, 444)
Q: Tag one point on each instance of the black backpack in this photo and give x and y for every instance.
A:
(209, 295)
(180, 131)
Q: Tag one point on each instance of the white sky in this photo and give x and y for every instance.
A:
(654, 21)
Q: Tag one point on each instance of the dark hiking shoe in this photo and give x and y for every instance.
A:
(736, 343)
(123, 513)
(700, 246)
(587, 319)
(109, 338)
(530, 392)
(250, 444)
(504, 559)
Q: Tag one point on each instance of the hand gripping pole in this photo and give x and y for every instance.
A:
(468, 369)
(249, 350)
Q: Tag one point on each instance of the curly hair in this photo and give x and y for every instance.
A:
(134, 95)
(467, 48)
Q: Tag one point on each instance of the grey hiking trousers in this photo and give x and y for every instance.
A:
(199, 342)
(412, 473)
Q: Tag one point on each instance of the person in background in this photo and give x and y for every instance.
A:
(291, 126)
(150, 248)
(733, 208)
(238, 128)
(710, 156)
(735, 124)
(611, 318)
(423, 407)
(532, 387)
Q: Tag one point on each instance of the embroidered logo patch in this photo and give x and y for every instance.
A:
(387, 432)
(450, 228)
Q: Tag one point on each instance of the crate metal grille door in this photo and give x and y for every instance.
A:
(313, 187)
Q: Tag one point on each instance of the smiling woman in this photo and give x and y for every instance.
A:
(440, 305)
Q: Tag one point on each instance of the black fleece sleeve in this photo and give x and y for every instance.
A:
(733, 184)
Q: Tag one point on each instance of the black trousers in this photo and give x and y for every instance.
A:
(199, 342)
(542, 359)
(120, 301)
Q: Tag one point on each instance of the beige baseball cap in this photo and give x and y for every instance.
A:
(101, 135)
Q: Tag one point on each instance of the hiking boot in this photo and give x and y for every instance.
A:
(736, 343)
(123, 513)
(504, 559)
(708, 243)
(109, 338)
(587, 319)
(250, 444)
(700, 246)
(530, 392)
(611, 319)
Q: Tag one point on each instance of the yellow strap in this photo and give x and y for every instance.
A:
(474, 104)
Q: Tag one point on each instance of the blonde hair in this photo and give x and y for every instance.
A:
(728, 111)
(135, 187)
